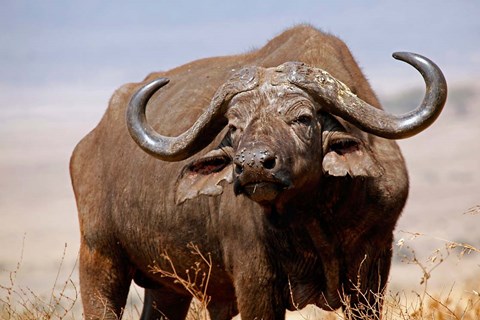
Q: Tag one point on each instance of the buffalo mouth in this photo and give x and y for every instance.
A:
(262, 192)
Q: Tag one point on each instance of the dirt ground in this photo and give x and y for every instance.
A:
(38, 214)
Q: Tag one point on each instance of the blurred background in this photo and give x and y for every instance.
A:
(60, 61)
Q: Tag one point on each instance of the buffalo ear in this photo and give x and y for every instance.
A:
(347, 155)
(204, 175)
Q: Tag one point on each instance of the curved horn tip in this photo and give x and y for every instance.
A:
(408, 57)
(158, 83)
(400, 55)
(146, 92)
(404, 54)
(413, 59)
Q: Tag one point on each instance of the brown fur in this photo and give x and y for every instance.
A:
(133, 208)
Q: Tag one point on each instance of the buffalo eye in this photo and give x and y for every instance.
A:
(232, 134)
(232, 128)
(304, 119)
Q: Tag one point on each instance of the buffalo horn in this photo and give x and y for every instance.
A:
(345, 104)
(200, 134)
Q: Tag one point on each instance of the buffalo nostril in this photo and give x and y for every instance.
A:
(269, 163)
(238, 169)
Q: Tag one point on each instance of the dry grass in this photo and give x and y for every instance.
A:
(465, 305)
(460, 301)
(455, 304)
(195, 281)
(24, 304)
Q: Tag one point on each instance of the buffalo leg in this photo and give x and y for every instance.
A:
(258, 298)
(164, 304)
(104, 283)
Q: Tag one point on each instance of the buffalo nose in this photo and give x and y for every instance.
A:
(256, 159)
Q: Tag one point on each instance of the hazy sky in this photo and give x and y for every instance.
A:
(107, 43)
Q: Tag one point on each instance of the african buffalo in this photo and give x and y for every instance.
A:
(278, 163)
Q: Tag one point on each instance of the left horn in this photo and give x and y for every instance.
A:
(345, 104)
(199, 135)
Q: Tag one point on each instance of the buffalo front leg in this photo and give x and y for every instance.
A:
(259, 297)
(104, 283)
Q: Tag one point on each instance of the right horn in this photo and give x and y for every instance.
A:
(345, 104)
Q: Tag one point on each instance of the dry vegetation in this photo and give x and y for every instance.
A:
(195, 281)
(25, 304)
(455, 303)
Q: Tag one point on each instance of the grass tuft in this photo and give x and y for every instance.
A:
(22, 303)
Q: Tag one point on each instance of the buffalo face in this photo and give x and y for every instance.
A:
(276, 136)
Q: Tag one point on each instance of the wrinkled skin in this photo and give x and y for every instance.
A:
(294, 205)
